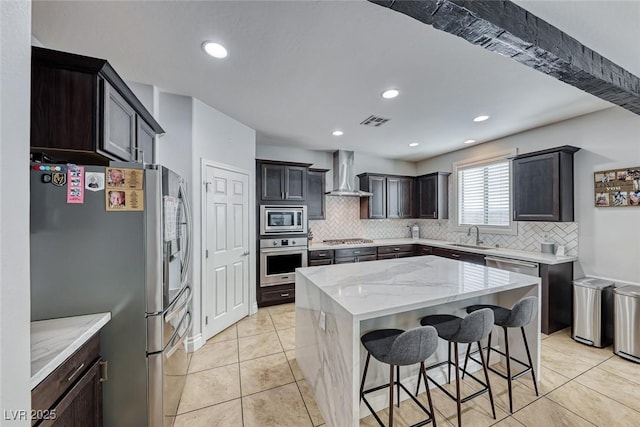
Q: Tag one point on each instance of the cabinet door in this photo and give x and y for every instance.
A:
(345, 260)
(377, 202)
(119, 126)
(405, 199)
(272, 182)
(145, 143)
(393, 198)
(428, 196)
(295, 183)
(536, 183)
(316, 196)
(82, 405)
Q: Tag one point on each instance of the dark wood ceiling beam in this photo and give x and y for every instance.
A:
(508, 29)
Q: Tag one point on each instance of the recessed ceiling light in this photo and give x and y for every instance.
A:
(481, 118)
(470, 141)
(337, 133)
(214, 49)
(390, 93)
(414, 144)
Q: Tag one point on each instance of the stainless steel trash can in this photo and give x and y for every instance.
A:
(626, 341)
(593, 311)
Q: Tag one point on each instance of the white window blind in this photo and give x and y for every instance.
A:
(483, 194)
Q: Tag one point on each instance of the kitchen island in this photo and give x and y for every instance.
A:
(336, 304)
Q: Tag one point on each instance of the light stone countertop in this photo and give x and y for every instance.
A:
(497, 252)
(379, 288)
(54, 340)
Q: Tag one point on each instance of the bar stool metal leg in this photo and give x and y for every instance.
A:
(398, 385)
(426, 384)
(364, 374)
(506, 346)
(486, 377)
(533, 373)
(458, 402)
(391, 395)
(449, 365)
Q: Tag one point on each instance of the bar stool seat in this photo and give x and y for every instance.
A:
(519, 316)
(472, 328)
(396, 348)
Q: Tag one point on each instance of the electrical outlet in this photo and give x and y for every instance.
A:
(323, 320)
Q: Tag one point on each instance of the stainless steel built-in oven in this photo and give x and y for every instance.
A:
(283, 219)
(279, 259)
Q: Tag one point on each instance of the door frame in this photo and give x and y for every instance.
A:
(253, 304)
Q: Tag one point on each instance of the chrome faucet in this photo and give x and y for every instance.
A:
(478, 241)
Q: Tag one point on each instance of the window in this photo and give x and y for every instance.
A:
(483, 194)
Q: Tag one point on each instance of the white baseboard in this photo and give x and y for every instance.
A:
(254, 309)
(194, 343)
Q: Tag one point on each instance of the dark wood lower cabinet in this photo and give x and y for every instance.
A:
(279, 294)
(72, 394)
(557, 297)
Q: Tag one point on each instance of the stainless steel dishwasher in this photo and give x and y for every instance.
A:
(515, 265)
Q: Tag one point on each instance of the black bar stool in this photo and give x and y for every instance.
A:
(454, 329)
(396, 348)
(519, 316)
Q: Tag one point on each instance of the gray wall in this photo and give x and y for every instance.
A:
(608, 139)
(15, 84)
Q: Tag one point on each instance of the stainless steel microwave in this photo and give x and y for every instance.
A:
(283, 219)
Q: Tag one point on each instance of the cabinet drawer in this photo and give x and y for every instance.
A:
(424, 250)
(328, 254)
(460, 255)
(394, 249)
(278, 296)
(354, 252)
(316, 262)
(59, 381)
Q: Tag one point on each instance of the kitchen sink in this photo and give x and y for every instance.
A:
(464, 245)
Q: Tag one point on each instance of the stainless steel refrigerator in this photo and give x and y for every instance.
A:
(134, 264)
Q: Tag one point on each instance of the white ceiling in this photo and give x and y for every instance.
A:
(298, 70)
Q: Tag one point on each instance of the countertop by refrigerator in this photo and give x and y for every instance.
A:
(54, 340)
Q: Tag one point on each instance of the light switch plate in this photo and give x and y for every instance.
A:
(323, 320)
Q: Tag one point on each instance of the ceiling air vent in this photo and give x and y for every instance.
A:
(374, 121)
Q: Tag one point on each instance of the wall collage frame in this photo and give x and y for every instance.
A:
(617, 187)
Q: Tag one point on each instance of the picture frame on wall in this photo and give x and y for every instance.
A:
(617, 187)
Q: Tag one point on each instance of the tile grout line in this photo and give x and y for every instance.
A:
(304, 402)
(239, 376)
(596, 391)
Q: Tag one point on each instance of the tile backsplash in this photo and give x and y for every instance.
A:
(343, 221)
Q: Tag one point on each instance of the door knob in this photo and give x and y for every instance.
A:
(246, 253)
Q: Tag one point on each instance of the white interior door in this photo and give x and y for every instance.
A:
(226, 249)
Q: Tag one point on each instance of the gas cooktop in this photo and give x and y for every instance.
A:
(346, 241)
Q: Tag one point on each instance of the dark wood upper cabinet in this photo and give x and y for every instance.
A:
(433, 195)
(375, 206)
(399, 197)
(543, 185)
(316, 196)
(283, 181)
(82, 111)
(393, 196)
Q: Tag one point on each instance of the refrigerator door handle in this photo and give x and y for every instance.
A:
(187, 208)
(177, 339)
(174, 311)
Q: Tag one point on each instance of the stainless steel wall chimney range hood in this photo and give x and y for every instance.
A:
(343, 179)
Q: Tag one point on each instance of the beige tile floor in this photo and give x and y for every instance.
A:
(247, 376)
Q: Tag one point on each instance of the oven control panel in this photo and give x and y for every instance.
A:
(284, 243)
